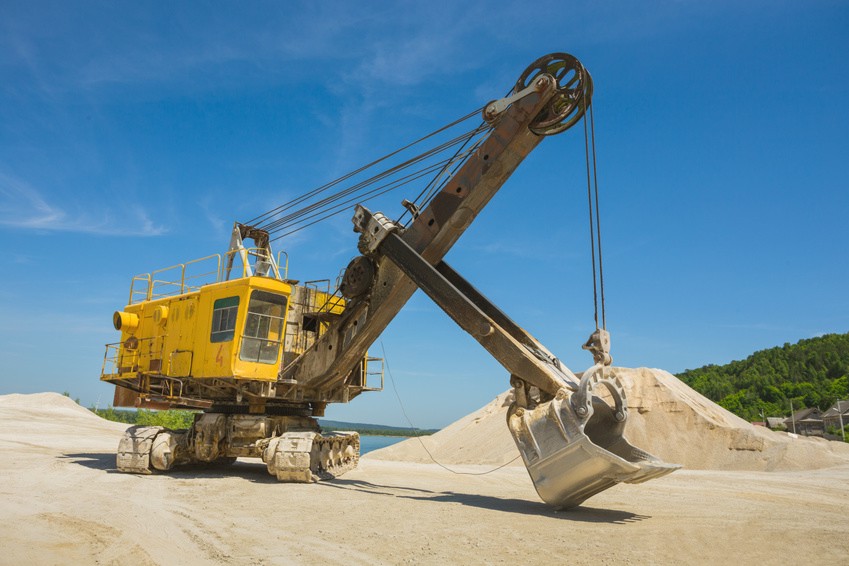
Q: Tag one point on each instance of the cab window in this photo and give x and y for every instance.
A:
(263, 334)
(224, 319)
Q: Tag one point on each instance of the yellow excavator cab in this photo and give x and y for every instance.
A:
(232, 329)
(179, 330)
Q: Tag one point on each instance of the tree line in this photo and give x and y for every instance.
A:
(177, 419)
(810, 373)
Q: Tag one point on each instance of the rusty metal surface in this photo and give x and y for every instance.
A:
(322, 370)
(514, 355)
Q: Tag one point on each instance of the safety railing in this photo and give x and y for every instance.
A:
(169, 387)
(283, 266)
(321, 287)
(119, 359)
(112, 360)
(191, 276)
(373, 372)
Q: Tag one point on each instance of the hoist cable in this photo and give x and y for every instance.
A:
(279, 223)
(428, 191)
(594, 215)
(341, 207)
(598, 221)
(591, 215)
(367, 195)
(322, 188)
(272, 224)
(436, 188)
(363, 197)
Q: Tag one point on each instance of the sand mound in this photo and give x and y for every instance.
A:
(666, 418)
(44, 403)
(25, 419)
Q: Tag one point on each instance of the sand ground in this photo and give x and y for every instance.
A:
(64, 502)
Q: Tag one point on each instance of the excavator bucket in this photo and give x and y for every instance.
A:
(573, 445)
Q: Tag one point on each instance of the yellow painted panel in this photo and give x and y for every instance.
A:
(174, 335)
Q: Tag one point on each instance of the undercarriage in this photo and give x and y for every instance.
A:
(293, 448)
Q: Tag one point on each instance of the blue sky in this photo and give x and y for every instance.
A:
(132, 135)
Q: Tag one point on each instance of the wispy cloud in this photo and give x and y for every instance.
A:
(22, 206)
(212, 216)
(183, 46)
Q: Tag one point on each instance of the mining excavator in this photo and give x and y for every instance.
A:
(260, 355)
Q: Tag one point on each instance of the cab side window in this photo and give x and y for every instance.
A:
(224, 319)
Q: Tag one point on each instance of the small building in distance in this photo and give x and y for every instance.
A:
(807, 422)
(776, 423)
(832, 417)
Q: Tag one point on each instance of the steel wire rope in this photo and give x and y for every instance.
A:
(360, 187)
(435, 186)
(363, 196)
(322, 188)
(597, 220)
(409, 422)
(435, 189)
(592, 217)
(275, 224)
(343, 206)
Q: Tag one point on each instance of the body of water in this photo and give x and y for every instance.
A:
(369, 443)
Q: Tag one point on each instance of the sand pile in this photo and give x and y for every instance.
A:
(666, 418)
(24, 418)
(43, 404)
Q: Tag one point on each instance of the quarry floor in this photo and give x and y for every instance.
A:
(64, 502)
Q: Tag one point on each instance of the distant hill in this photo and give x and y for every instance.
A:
(810, 373)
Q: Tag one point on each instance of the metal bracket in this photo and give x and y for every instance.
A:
(411, 208)
(496, 107)
(265, 264)
(373, 227)
(598, 345)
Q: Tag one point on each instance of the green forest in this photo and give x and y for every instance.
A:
(174, 419)
(810, 373)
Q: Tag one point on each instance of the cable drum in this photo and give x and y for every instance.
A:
(358, 277)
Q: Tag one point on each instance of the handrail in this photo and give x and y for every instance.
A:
(156, 286)
(286, 266)
(143, 277)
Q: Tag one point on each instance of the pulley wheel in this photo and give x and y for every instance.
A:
(573, 97)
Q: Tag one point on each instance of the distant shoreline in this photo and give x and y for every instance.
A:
(390, 433)
(179, 419)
